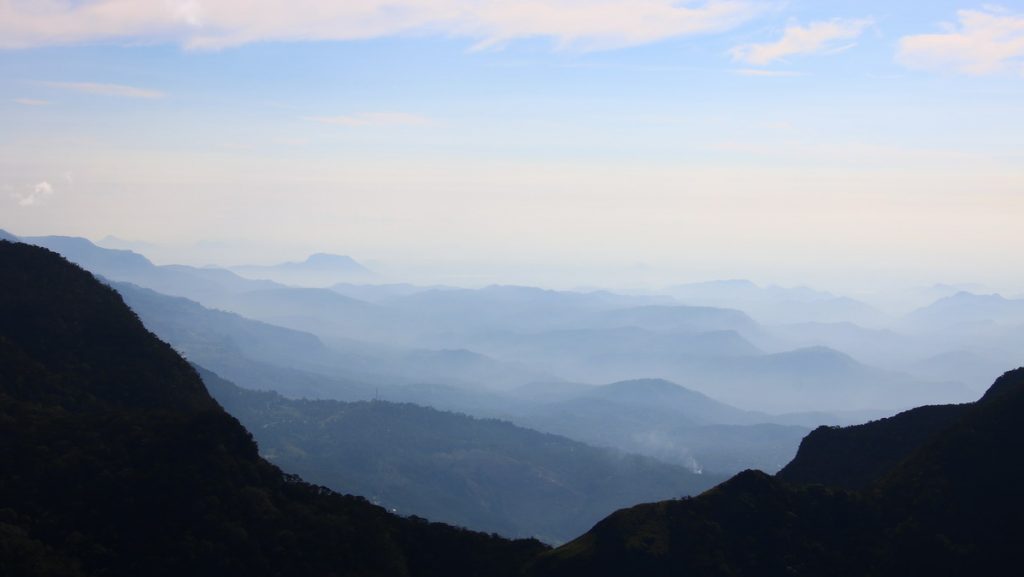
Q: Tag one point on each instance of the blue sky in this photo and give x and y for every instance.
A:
(835, 143)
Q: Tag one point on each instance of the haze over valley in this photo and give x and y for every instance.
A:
(511, 288)
(694, 379)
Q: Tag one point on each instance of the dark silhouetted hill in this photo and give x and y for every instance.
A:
(949, 505)
(117, 462)
(854, 457)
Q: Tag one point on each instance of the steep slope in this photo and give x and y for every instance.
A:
(478, 473)
(950, 507)
(955, 506)
(854, 457)
(117, 462)
(262, 355)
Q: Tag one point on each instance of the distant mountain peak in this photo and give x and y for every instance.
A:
(323, 259)
(650, 385)
(319, 269)
(967, 295)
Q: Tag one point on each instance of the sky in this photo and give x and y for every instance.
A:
(833, 143)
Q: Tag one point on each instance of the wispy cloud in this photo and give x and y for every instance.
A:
(373, 119)
(106, 89)
(34, 194)
(815, 38)
(211, 24)
(31, 102)
(983, 42)
(768, 73)
(854, 153)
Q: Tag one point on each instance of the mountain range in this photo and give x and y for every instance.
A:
(593, 337)
(118, 462)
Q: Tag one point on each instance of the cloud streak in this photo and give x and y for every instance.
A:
(983, 42)
(373, 119)
(815, 38)
(768, 73)
(213, 24)
(119, 90)
(31, 101)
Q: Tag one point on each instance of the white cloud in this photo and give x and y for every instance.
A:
(815, 38)
(984, 42)
(211, 24)
(107, 89)
(34, 194)
(30, 102)
(373, 119)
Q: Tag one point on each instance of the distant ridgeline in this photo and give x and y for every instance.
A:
(116, 461)
(485, 474)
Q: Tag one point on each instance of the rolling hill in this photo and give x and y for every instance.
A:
(483, 474)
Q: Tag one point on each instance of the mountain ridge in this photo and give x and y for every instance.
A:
(484, 474)
(122, 464)
(944, 504)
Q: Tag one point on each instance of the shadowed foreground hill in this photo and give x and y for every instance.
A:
(854, 457)
(944, 503)
(117, 462)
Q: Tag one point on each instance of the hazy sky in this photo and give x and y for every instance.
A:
(828, 142)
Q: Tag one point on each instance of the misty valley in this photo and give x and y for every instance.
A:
(507, 288)
(532, 413)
